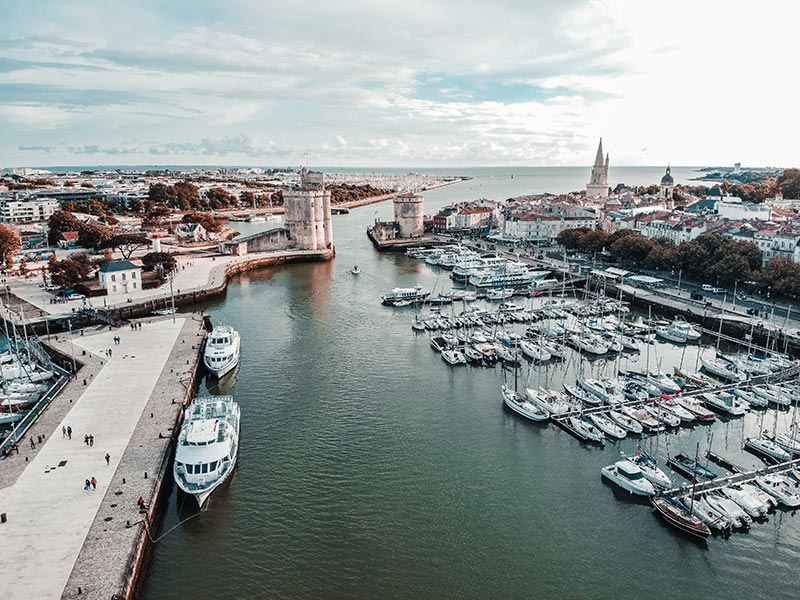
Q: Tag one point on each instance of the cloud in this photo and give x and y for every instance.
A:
(44, 149)
(442, 81)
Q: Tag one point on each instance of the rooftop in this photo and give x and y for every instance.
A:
(118, 265)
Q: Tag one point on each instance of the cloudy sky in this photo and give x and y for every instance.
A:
(398, 83)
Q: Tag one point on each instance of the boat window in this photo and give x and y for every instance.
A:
(213, 466)
(204, 467)
(190, 469)
(631, 476)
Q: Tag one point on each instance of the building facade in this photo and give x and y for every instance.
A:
(26, 211)
(120, 277)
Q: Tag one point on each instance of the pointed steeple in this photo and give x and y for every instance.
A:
(598, 161)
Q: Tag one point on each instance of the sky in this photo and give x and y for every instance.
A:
(385, 83)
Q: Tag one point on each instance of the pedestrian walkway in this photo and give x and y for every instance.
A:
(49, 513)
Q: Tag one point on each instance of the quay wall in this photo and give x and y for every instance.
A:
(186, 298)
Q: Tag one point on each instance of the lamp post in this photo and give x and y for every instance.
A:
(71, 346)
(735, 283)
(680, 272)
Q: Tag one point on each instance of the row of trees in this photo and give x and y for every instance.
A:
(184, 195)
(708, 258)
(93, 236)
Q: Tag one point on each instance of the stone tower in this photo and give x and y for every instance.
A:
(598, 183)
(408, 214)
(308, 213)
(666, 188)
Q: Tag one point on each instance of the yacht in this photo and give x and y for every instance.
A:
(629, 477)
(700, 412)
(773, 394)
(766, 447)
(676, 514)
(725, 402)
(585, 430)
(511, 274)
(607, 426)
(555, 403)
(780, 488)
(664, 382)
(606, 389)
(522, 406)
(649, 467)
(355, 270)
(670, 334)
(207, 446)
(729, 509)
(723, 368)
(454, 357)
(752, 399)
(399, 295)
(534, 351)
(680, 326)
(627, 423)
(591, 343)
(222, 350)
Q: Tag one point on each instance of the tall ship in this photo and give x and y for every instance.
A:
(207, 446)
(222, 350)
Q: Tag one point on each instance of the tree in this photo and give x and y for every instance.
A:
(217, 198)
(127, 243)
(788, 183)
(161, 262)
(631, 248)
(570, 238)
(9, 244)
(593, 241)
(59, 222)
(155, 215)
(70, 271)
(92, 236)
(23, 266)
(783, 275)
(662, 256)
(208, 221)
(247, 198)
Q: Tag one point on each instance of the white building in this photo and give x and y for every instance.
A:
(120, 277)
(771, 241)
(24, 211)
(541, 228)
(731, 207)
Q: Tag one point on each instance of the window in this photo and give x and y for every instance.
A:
(113, 277)
(205, 467)
(134, 285)
(124, 277)
(114, 288)
(213, 466)
(190, 469)
(133, 275)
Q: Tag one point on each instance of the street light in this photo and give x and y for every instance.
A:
(71, 346)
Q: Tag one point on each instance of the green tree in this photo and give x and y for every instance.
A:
(70, 271)
(92, 236)
(788, 183)
(783, 275)
(161, 262)
(9, 244)
(631, 249)
(570, 238)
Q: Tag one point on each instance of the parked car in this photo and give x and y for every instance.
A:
(76, 297)
(696, 295)
(707, 287)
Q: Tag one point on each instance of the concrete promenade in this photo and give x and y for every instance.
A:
(49, 513)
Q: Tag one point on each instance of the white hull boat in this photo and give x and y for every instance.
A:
(454, 357)
(520, 405)
(585, 430)
(607, 426)
(627, 423)
(779, 488)
(207, 446)
(723, 368)
(724, 402)
(222, 350)
(762, 445)
(629, 477)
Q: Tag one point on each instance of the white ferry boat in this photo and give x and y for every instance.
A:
(404, 296)
(207, 446)
(512, 274)
(222, 350)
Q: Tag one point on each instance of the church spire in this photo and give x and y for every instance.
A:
(598, 161)
(598, 182)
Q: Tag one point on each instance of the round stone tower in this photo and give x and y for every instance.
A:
(408, 214)
(308, 213)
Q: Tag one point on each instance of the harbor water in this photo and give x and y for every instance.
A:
(368, 467)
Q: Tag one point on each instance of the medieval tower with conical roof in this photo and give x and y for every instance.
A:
(598, 183)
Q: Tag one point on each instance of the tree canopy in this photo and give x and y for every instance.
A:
(9, 244)
(127, 243)
(208, 221)
(70, 271)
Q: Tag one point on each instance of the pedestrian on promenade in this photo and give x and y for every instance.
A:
(94, 484)
(69, 432)
(109, 353)
(91, 440)
(33, 444)
(86, 439)
(63, 431)
(108, 459)
(87, 485)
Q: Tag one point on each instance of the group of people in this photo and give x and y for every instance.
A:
(135, 326)
(88, 440)
(91, 484)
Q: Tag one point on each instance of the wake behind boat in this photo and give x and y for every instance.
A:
(207, 446)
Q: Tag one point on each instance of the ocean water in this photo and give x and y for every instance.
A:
(369, 468)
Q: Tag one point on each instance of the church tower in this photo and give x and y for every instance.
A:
(666, 188)
(598, 183)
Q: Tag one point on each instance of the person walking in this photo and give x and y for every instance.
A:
(108, 459)
(86, 439)
(94, 484)
(87, 485)
(69, 432)
(91, 441)
(63, 431)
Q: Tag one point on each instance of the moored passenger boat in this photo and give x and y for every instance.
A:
(222, 350)
(207, 446)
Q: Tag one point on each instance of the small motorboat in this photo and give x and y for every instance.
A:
(676, 514)
(700, 412)
(649, 467)
(629, 477)
(454, 357)
(355, 270)
(710, 516)
(647, 422)
(690, 468)
(674, 407)
(585, 397)
(522, 406)
(746, 500)
(729, 508)
(752, 399)
(472, 355)
(780, 488)
(585, 430)
(607, 426)
(663, 415)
